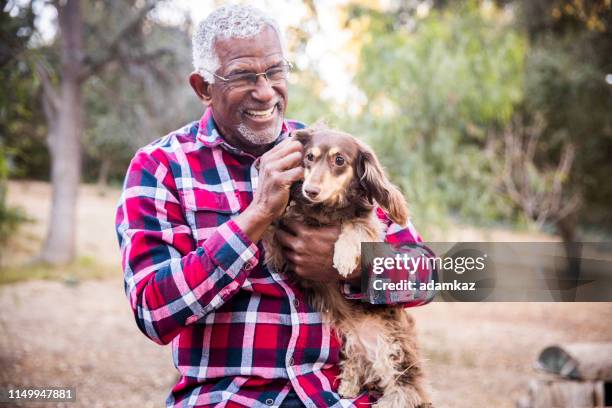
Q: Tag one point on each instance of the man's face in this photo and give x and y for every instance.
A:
(249, 117)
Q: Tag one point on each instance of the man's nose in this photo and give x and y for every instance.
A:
(263, 90)
(311, 191)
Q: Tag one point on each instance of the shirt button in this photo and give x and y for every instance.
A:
(247, 266)
(291, 361)
(269, 401)
(296, 303)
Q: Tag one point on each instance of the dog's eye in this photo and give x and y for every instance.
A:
(310, 157)
(339, 161)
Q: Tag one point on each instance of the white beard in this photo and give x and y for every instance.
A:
(263, 137)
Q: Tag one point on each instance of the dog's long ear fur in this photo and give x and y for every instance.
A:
(303, 136)
(372, 178)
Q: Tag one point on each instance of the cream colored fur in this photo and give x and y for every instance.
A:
(347, 251)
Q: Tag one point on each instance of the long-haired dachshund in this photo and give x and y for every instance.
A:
(343, 182)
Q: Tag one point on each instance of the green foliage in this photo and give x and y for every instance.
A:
(455, 64)
(16, 115)
(440, 88)
(140, 96)
(10, 218)
(304, 102)
(22, 129)
(134, 100)
(435, 89)
(565, 81)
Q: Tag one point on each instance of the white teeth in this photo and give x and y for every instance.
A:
(261, 113)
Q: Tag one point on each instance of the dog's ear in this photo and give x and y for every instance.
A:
(303, 136)
(373, 180)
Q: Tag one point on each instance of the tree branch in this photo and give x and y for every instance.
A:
(94, 64)
(50, 97)
(539, 191)
(147, 56)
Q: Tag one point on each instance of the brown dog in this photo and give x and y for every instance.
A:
(343, 182)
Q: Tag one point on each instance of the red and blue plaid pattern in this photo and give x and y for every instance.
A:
(242, 335)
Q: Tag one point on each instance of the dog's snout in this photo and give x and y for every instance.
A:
(311, 191)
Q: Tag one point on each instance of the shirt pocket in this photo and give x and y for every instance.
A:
(205, 210)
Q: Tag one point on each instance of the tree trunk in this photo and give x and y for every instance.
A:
(65, 143)
(566, 227)
(105, 166)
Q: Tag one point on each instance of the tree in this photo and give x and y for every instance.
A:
(17, 115)
(569, 56)
(128, 102)
(22, 130)
(540, 187)
(433, 95)
(64, 114)
(63, 107)
(536, 185)
(540, 190)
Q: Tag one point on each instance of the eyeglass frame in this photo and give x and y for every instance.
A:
(286, 64)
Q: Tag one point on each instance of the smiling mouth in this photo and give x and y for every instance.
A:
(261, 114)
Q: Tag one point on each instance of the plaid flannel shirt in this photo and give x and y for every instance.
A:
(242, 335)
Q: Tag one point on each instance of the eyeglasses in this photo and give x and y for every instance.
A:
(273, 75)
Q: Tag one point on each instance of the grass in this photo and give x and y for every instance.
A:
(83, 268)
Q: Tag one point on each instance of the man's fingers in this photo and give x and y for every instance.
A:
(282, 149)
(286, 239)
(289, 161)
(294, 174)
(293, 258)
(292, 226)
(289, 242)
(284, 179)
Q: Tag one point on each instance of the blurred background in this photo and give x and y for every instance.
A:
(494, 118)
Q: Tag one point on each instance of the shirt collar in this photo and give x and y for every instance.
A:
(209, 134)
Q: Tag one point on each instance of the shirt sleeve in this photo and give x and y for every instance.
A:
(399, 234)
(169, 281)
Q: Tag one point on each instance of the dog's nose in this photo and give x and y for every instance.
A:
(311, 191)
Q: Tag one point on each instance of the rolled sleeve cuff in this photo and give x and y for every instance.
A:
(231, 249)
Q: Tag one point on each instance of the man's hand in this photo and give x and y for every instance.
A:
(310, 250)
(279, 168)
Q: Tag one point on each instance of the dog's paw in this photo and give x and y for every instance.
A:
(344, 263)
(348, 389)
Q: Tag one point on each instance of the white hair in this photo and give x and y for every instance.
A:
(231, 21)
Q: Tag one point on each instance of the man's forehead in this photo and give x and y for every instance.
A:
(264, 46)
(246, 60)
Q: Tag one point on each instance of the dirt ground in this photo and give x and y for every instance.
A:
(95, 221)
(84, 336)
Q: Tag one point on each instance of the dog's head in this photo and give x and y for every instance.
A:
(340, 170)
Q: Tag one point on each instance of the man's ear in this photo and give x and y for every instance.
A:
(377, 187)
(201, 87)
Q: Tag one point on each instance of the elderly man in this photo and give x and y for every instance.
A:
(194, 207)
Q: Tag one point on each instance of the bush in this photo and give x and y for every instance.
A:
(10, 218)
